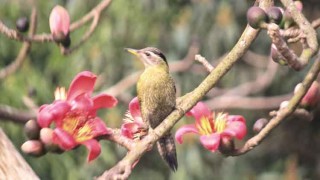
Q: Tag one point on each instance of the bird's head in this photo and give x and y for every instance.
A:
(150, 56)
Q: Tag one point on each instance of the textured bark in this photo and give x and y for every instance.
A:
(12, 164)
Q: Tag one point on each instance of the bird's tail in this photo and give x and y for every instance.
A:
(167, 150)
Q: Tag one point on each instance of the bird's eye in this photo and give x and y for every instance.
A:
(147, 54)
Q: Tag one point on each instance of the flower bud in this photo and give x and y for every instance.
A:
(259, 125)
(312, 97)
(296, 89)
(256, 16)
(274, 15)
(33, 147)
(46, 135)
(32, 129)
(226, 145)
(22, 24)
(284, 104)
(59, 22)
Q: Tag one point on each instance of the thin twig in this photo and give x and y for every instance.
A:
(41, 38)
(242, 102)
(304, 25)
(15, 115)
(8, 70)
(85, 37)
(204, 62)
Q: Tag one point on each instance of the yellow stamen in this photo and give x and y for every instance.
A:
(205, 126)
(220, 122)
(70, 124)
(84, 133)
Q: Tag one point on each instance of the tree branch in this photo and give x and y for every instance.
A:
(18, 116)
(282, 113)
(12, 164)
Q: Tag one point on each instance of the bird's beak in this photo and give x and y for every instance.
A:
(132, 51)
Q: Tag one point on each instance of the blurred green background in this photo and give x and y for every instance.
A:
(171, 25)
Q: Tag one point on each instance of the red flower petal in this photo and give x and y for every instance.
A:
(98, 127)
(59, 109)
(94, 149)
(104, 101)
(199, 110)
(45, 117)
(211, 142)
(83, 103)
(191, 128)
(52, 112)
(82, 83)
(59, 20)
(236, 127)
(129, 129)
(63, 139)
(134, 109)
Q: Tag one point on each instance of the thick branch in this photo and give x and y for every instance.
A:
(12, 164)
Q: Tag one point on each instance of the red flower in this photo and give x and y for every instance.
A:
(212, 127)
(59, 21)
(133, 127)
(74, 115)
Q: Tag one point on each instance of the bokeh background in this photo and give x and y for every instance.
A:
(291, 152)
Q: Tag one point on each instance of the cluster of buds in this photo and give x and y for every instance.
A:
(39, 140)
(259, 18)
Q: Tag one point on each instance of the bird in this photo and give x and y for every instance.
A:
(156, 94)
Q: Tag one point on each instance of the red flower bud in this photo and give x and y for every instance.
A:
(59, 22)
(259, 125)
(312, 97)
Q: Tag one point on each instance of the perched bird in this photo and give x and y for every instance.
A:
(157, 97)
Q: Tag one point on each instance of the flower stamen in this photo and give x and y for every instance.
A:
(220, 122)
(60, 93)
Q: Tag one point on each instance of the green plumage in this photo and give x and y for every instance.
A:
(157, 98)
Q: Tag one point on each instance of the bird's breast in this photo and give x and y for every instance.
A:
(156, 94)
